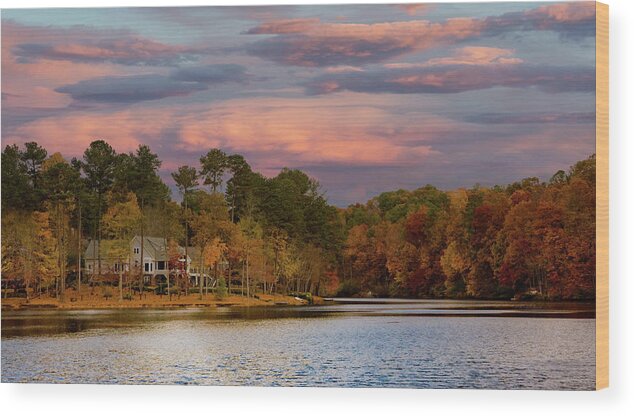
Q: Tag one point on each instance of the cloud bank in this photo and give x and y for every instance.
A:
(312, 43)
(148, 87)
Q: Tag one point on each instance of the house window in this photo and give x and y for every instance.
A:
(160, 265)
(148, 267)
(116, 267)
(136, 250)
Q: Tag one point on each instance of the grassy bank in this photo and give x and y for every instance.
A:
(100, 299)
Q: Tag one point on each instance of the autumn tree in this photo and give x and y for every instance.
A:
(60, 182)
(213, 253)
(177, 266)
(251, 245)
(456, 258)
(209, 223)
(486, 221)
(423, 231)
(120, 223)
(29, 251)
(19, 244)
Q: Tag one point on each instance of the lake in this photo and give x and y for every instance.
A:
(347, 343)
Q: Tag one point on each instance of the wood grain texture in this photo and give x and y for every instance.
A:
(602, 202)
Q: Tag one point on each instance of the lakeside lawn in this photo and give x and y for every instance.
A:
(106, 298)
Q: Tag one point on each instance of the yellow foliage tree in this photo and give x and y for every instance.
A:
(119, 223)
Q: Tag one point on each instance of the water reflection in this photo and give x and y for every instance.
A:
(432, 344)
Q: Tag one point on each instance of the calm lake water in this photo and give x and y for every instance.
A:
(407, 344)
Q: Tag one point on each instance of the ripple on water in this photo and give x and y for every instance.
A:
(335, 350)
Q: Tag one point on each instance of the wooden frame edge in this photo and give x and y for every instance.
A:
(602, 196)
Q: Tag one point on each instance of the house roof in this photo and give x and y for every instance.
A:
(154, 247)
(92, 250)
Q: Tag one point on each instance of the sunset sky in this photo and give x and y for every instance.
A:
(365, 98)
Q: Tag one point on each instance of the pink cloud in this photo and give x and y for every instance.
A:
(33, 82)
(332, 44)
(568, 19)
(81, 44)
(566, 12)
(467, 69)
(478, 55)
(350, 129)
(282, 26)
(343, 68)
(70, 134)
(469, 55)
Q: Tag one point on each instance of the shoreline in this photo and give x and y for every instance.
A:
(89, 301)
(74, 301)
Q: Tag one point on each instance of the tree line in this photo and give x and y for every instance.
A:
(276, 234)
(527, 239)
(280, 234)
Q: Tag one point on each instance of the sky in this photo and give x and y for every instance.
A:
(364, 98)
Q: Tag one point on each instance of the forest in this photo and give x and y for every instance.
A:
(529, 239)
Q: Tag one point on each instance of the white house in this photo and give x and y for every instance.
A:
(154, 263)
